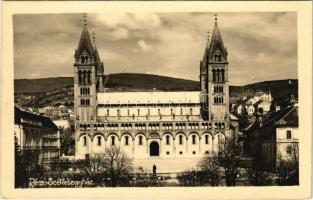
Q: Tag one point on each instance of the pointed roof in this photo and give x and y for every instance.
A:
(216, 40)
(85, 42)
(206, 51)
(97, 57)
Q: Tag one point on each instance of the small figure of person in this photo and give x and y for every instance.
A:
(154, 168)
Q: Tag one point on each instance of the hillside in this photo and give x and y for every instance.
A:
(280, 89)
(116, 82)
(35, 86)
(51, 91)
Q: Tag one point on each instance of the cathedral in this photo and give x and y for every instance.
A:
(184, 124)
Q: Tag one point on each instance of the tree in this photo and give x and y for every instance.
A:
(118, 166)
(287, 168)
(66, 139)
(27, 165)
(211, 168)
(283, 170)
(258, 177)
(94, 167)
(228, 159)
(112, 167)
(20, 172)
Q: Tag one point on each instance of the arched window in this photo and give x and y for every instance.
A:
(193, 139)
(206, 139)
(126, 140)
(79, 76)
(289, 150)
(112, 140)
(214, 75)
(218, 75)
(85, 141)
(167, 140)
(180, 139)
(84, 77)
(218, 58)
(222, 75)
(89, 77)
(140, 140)
(99, 140)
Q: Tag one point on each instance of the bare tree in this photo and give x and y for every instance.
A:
(112, 167)
(287, 168)
(118, 165)
(258, 177)
(283, 169)
(211, 168)
(94, 167)
(228, 159)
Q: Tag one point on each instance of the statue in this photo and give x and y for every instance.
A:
(154, 168)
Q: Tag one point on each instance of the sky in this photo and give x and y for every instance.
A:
(261, 46)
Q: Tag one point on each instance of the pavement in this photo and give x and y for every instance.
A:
(167, 165)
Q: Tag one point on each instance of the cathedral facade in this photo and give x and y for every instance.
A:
(151, 124)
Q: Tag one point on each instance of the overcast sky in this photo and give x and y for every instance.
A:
(261, 46)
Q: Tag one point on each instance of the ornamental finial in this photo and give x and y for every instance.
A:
(85, 19)
(215, 15)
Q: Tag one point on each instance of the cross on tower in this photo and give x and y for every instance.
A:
(85, 19)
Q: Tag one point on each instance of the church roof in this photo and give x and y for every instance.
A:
(85, 44)
(148, 97)
(216, 41)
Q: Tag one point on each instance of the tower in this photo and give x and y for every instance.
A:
(88, 79)
(214, 80)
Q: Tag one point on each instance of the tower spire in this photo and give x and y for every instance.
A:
(85, 44)
(216, 39)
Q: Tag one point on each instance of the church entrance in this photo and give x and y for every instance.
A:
(154, 149)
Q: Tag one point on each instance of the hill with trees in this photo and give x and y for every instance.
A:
(59, 90)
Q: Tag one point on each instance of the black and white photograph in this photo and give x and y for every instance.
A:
(186, 99)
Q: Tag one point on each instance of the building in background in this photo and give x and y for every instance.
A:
(36, 134)
(273, 137)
